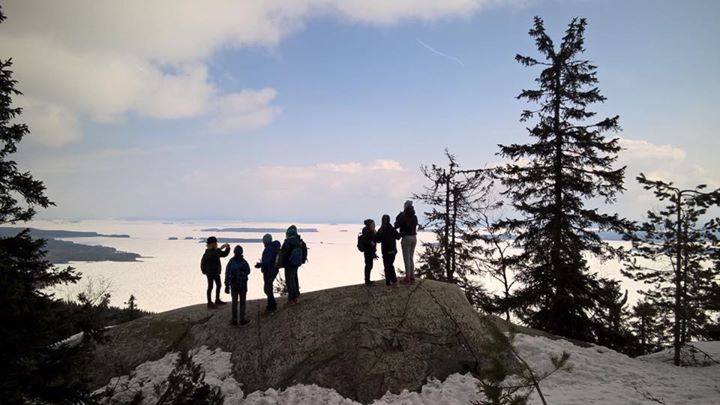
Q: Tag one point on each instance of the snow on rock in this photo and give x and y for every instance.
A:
(602, 376)
(696, 353)
(598, 376)
(215, 363)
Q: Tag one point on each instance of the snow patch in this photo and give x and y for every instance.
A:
(215, 363)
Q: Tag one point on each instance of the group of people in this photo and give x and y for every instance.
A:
(292, 254)
(404, 229)
(289, 255)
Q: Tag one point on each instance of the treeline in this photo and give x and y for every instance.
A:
(529, 223)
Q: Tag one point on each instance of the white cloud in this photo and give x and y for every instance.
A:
(244, 110)
(635, 149)
(52, 124)
(355, 167)
(106, 59)
(335, 190)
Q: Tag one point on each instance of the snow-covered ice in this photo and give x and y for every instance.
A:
(598, 376)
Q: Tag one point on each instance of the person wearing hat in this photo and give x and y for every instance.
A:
(368, 245)
(406, 222)
(268, 266)
(293, 253)
(236, 278)
(387, 236)
(211, 267)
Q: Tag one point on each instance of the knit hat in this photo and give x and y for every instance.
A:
(211, 239)
(267, 239)
(291, 231)
(408, 203)
(238, 250)
(368, 222)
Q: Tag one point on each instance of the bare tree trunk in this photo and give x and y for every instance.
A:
(677, 345)
(453, 227)
(448, 177)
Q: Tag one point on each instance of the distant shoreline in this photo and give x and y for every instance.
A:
(256, 230)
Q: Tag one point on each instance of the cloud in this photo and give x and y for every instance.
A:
(355, 167)
(635, 149)
(248, 109)
(333, 190)
(103, 60)
(52, 124)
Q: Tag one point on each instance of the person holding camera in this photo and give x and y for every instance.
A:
(211, 267)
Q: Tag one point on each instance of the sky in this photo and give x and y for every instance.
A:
(324, 110)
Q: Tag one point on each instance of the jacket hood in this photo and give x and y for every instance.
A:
(291, 231)
(238, 250)
(276, 244)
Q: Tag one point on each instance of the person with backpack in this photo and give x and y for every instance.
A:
(294, 255)
(236, 278)
(211, 267)
(387, 236)
(367, 244)
(268, 266)
(406, 222)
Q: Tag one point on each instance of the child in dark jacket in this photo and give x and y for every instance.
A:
(369, 247)
(268, 266)
(236, 278)
(387, 236)
(211, 267)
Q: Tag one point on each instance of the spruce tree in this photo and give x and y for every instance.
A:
(676, 251)
(34, 368)
(549, 182)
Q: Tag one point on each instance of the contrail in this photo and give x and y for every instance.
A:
(436, 52)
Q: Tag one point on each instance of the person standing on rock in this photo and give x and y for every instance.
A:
(294, 254)
(268, 266)
(211, 267)
(236, 278)
(387, 236)
(407, 222)
(367, 244)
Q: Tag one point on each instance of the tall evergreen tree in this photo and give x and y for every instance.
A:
(549, 181)
(34, 368)
(677, 254)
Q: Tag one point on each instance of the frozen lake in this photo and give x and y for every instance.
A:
(169, 274)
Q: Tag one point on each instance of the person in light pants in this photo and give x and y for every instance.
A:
(406, 222)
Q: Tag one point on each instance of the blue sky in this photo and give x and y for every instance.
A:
(323, 110)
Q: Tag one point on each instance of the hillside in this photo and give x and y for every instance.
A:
(359, 341)
(353, 345)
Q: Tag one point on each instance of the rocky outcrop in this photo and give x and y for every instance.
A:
(360, 341)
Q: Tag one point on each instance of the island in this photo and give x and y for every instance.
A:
(62, 252)
(55, 234)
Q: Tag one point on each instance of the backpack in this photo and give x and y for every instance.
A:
(361, 245)
(298, 256)
(202, 265)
